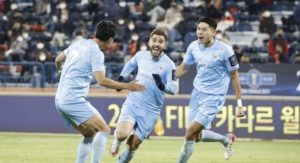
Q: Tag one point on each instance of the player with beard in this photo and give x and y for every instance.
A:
(141, 110)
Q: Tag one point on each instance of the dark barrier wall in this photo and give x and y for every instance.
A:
(259, 79)
(266, 117)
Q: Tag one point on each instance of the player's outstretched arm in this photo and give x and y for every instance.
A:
(127, 69)
(120, 79)
(181, 70)
(109, 83)
(237, 89)
(59, 60)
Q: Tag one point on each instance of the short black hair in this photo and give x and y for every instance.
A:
(159, 31)
(211, 22)
(105, 29)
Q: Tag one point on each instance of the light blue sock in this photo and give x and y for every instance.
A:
(210, 136)
(186, 151)
(126, 156)
(98, 146)
(84, 149)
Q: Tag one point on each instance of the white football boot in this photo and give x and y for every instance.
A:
(115, 148)
(228, 148)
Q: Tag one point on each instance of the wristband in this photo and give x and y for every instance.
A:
(239, 103)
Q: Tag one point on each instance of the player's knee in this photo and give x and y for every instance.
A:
(134, 146)
(198, 137)
(107, 129)
(121, 135)
(102, 128)
(88, 133)
(191, 135)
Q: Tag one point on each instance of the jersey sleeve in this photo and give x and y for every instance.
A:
(130, 66)
(230, 59)
(171, 85)
(67, 51)
(188, 57)
(97, 60)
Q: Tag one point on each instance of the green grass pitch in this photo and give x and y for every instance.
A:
(61, 148)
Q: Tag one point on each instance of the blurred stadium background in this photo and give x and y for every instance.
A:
(265, 35)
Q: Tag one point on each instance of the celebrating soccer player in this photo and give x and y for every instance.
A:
(141, 110)
(79, 62)
(216, 65)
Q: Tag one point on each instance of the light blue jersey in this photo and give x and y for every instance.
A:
(214, 65)
(143, 108)
(211, 83)
(83, 57)
(152, 97)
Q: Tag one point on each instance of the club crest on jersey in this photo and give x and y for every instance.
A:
(215, 55)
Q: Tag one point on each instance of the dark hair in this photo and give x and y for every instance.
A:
(105, 29)
(161, 32)
(211, 22)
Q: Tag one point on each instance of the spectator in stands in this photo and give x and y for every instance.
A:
(222, 37)
(214, 9)
(154, 10)
(278, 47)
(43, 7)
(3, 6)
(123, 31)
(65, 20)
(255, 7)
(133, 46)
(4, 39)
(18, 49)
(123, 10)
(172, 18)
(267, 23)
(81, 30)
(240, 55)
(296, 15)
(295, 58)
(58, 38)
(227, 21)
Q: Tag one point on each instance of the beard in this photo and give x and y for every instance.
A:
(156, 53)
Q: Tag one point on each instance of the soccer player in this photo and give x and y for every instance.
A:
(79, 62)
(141, 110)
(216, 65)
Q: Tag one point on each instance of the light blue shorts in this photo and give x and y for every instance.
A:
(204, 107)
(143, 120)
(75, 113)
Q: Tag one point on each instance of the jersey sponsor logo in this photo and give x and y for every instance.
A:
(233, 60)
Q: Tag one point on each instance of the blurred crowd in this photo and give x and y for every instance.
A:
(260, 31)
